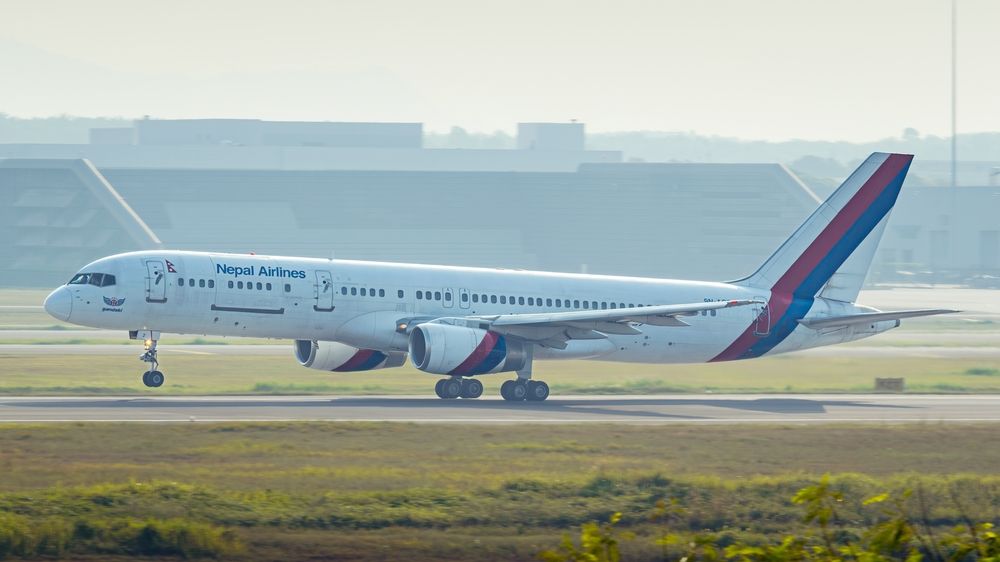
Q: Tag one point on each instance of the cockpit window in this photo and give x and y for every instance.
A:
(95, 279)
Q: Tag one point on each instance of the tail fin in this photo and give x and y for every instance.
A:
(833, 249)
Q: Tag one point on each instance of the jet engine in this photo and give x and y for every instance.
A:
(444, 349)
(342, 358)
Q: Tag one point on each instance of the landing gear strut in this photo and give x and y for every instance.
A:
(152, 378)
(456, 387)
(523, 388)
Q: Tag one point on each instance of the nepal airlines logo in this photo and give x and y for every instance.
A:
(114, 304)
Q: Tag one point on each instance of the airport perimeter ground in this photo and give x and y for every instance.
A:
(277, 490)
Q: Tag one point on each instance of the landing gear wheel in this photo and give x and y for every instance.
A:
(152, 379)
(451, 388)
(437, 388)
(514, 391)
(537, 391)
(471, 388)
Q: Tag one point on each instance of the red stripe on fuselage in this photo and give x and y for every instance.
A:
(783, 290)
(478, 355)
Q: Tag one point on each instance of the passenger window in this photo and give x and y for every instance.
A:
(531, 301)
(180, 281)
(381, 292)
(604, 305)
(364, 292)
(239, 284)
(548, 302)
(621, 305)
(493, 299)
(420, 295)
(712, 312)
(576, 304)
(267, 286)
(437, 295)
(465, 297)
(354, 291)
(399, 293)
(211, 283)
(503, 299)
(249, 285)
(475, 297)
(343, 290)
(447, 297)
(288, 288)
(231, 285)
(586, 304)
(201, 283)
(260, 286)
(630, 305)
(511, 300)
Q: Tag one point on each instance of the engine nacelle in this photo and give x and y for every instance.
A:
(342, 358)
(444, 349)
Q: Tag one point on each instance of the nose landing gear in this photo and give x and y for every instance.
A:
(152, 378)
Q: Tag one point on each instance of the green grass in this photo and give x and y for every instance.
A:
(198, 372)
(394, 491)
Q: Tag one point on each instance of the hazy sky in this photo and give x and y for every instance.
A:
(777, 69)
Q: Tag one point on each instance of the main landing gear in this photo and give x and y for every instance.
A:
(521, 389)
(152, 378)
(457, 387)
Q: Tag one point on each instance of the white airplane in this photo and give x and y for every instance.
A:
(461, 322)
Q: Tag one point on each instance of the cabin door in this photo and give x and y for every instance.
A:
(324, 292)
(762, 323)
(156, 281)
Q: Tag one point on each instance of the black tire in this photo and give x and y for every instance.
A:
(505, 390)
(471, 388)
(145, 379)
(156, 379)
(518, 391)
(537, 391)
(452, 388)
(438, 388)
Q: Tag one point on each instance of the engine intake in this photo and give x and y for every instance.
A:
(444, 349)
(343, 358)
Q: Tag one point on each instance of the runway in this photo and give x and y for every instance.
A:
(660, 409)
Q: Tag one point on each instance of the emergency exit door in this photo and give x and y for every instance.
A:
(324, 292)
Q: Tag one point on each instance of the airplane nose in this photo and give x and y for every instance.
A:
(59, 303)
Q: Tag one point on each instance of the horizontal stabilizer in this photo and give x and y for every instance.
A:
(868, 317)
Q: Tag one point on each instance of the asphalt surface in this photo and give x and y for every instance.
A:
(661, 409)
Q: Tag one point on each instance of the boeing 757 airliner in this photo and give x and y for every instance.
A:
(461, 322)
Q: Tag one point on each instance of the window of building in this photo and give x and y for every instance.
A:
(288, 288)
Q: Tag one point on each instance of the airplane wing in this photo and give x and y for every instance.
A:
(867, 317)
(554, 329)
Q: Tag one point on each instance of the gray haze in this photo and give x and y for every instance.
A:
(848, 70)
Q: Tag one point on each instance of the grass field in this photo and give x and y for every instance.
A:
(396, 491)
(206, 373)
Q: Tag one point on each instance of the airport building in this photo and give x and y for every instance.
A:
(297, 189)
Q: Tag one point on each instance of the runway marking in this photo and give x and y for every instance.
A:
(546, 421)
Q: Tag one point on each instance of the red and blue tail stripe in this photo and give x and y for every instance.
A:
(793, 293)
